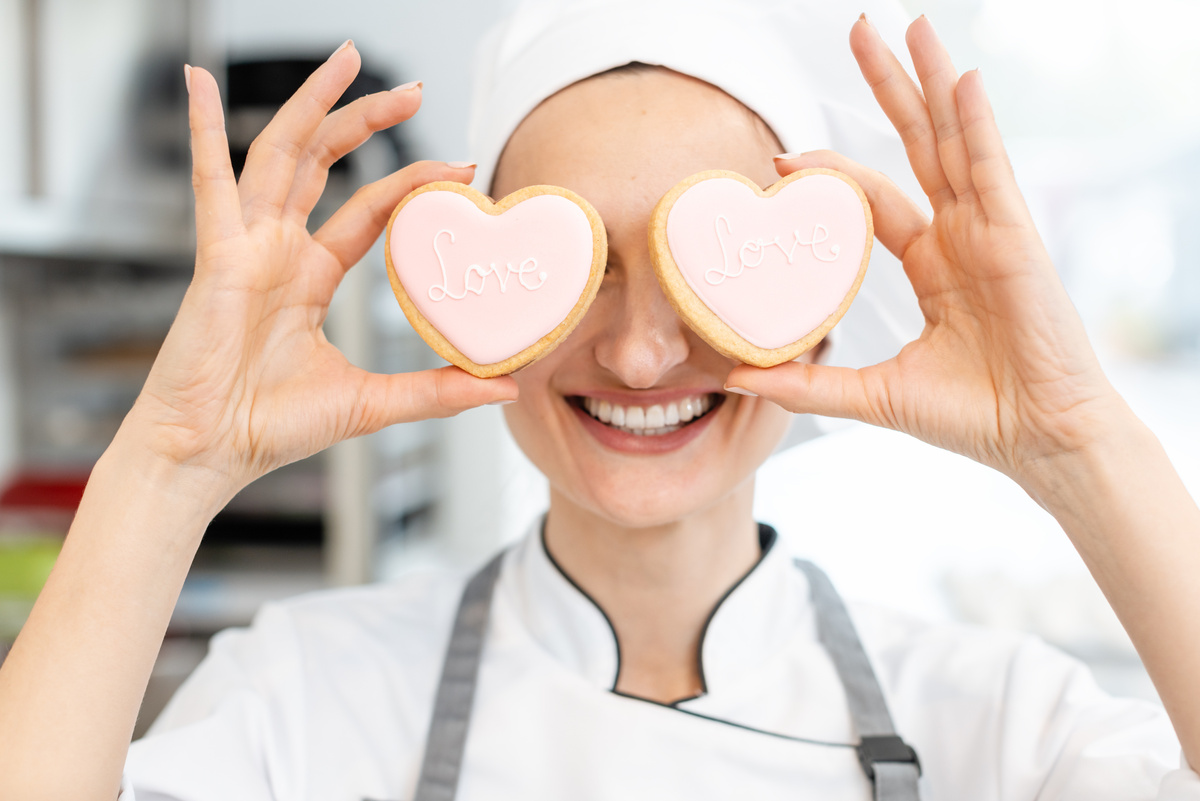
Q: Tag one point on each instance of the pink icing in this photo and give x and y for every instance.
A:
(772, 268)
(492, 285)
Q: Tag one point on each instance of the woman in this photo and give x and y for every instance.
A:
(647, 640)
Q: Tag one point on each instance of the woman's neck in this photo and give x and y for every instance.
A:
(658, 585)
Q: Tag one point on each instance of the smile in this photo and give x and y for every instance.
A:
(650, 421)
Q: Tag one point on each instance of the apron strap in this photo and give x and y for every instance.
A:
(447, 738)
(889, 762)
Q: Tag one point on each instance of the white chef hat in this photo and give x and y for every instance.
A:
(789, 61)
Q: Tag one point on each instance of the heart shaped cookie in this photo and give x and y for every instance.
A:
(762, 276)
(493, 286)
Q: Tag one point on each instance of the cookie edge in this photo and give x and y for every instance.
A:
(703, 320)
(435, 339)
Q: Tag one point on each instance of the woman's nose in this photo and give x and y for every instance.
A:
(644, 337)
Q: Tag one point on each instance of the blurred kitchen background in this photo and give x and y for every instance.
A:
(1100, 103)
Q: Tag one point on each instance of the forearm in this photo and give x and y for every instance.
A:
(1138, 530)
(71, 687)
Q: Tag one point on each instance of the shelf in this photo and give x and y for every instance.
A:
(223, 592)
(145, 234)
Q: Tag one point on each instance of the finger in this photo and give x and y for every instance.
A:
(898, 220)
(938, 79)
(385, 400)
(991, 171)
(218, 211)
(904, 105)
(810, 389)
(271, 162)
(353, 228)
(341, 132)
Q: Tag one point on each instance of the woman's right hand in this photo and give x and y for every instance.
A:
(246, 380)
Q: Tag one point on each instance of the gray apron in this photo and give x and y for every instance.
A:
(889, 763)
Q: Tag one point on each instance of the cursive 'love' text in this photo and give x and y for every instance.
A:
(752, 251)
(527, 267)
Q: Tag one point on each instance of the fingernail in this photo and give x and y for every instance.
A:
(863, 17)
(460, 165)
(502, 402)
(785, 156)
(345, 44)
(404, 87)
(740, 391)
(187, 77)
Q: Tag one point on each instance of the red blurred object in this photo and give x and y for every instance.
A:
(43, 490)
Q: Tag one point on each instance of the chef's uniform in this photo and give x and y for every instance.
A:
(330, 696)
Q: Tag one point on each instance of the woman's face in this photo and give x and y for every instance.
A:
(622, 141)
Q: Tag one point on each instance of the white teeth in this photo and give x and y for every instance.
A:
(655, 420)
(655, 417)
(672, 416)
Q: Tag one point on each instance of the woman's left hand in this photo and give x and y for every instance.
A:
(1003, 372)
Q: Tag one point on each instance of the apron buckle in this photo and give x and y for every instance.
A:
(885, 748)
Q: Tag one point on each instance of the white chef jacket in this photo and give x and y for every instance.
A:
(327, 697)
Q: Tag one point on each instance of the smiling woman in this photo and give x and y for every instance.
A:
(647, 634)
(640, 510)
(631, 350)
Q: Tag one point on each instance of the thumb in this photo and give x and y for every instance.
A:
(406, 397)
(807, 389)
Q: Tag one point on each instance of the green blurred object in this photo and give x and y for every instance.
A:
(25, 564)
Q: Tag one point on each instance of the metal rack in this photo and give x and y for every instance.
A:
(95, 255)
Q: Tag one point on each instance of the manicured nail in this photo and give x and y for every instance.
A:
(404, 87)
(502, 402)
(460, 165)
(345, 44)
(786, 156)
(187, 77)
(863, 17)
(740, 391)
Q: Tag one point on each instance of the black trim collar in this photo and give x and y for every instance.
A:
(767, 538)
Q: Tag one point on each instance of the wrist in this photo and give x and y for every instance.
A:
(135, 465)
(1092, 470)
(142, 519)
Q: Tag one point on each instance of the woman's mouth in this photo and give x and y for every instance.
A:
(654, 420)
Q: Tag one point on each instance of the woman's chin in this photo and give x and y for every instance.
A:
(641, 500)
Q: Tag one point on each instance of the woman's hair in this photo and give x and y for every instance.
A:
(632, 68)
